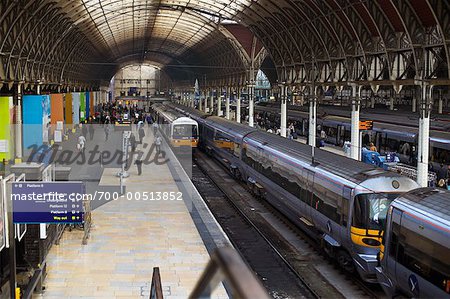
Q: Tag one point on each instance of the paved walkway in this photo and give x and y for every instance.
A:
(128, 239)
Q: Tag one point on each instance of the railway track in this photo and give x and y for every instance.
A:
(295, 251)
(275, 273)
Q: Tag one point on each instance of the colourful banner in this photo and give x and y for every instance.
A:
(76, 108)
(82, 106)
(92, 104)
(36, 120)
(6, 132)
(88, 105)
(57, 108)
(68, 109)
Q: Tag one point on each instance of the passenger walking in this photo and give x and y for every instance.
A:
(133, 142)
(84, 130)
(81, 144)
(141, 134)
(107, 132)
(138, 163)
(442, 176)
(158, 142)
(91, 131)
(155, 128)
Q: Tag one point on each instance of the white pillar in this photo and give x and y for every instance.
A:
(219, 101)
(372, 102)
(39, 89)
(200, 102)
(355, 146)
(283, 124)
(211, 101)
(206, 100)
(391, 103)
(424, 139)
(312, 119)
(227, 103)
(238, 105)
(251, 102)
(441, 102)
(414, 104)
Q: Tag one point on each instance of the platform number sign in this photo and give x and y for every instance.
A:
(366, 125)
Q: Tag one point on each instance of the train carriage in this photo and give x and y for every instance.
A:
(339, 201)
(415, 256)
(180, 131)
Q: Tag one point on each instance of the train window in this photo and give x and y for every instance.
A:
(394, 240)
(222, 137)
(424, 257)
(327, 208)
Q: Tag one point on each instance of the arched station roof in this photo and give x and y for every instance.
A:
(330, 41)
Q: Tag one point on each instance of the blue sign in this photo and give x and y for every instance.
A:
(48, 202)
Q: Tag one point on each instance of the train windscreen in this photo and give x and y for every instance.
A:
(184, 131)
(370, 210)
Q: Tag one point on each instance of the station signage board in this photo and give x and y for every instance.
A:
(47, 202)
(366, 125)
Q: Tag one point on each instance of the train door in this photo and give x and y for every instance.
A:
(340, 136)
(414, 256)
(307, 195)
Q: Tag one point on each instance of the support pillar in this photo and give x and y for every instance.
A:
(219, 101)
(200, 102)
(251, 102)
(441, 102)
(312, 118)
(227, 103)
(38, 89)
(283, 125)
(355, 148)
(424, 136)
(211, 101)
(18, 131)
(238, 105)
(372, 102)
(414, 103)
(391, 103)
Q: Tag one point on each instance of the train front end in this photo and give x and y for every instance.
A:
(370, 204)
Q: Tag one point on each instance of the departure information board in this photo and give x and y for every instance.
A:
(47, 202)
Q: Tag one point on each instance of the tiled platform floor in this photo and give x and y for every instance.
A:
(127, 240)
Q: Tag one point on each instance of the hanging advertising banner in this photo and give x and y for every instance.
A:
(76, 108)
(57, 114)
(88, 105)
(6, 134)
(82, 106)
(92, 104)
(33, 107)
(68, 110)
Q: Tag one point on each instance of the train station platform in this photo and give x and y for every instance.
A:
(129, 237)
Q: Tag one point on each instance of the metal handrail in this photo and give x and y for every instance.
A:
(227, 265)
(156, 287)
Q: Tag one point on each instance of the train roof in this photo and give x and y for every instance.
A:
(192, 112)
(349, 169)
(233, 128)
(431, 203)
(167, 112)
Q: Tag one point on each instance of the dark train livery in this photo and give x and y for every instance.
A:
(387, 137)
(415, 256)
(339, 201)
